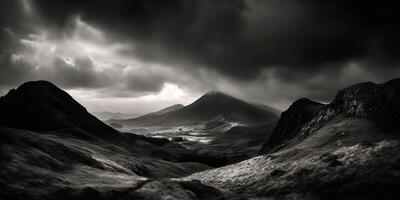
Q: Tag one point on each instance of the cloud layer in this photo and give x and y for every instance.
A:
(270, 51)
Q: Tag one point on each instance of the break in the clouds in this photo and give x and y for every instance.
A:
(268, 51)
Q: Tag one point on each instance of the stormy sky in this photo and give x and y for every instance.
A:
(142, 55)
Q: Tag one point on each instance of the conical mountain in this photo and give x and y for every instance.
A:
(212, 106)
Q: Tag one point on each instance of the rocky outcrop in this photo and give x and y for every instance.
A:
(376, 102)
(298, 114)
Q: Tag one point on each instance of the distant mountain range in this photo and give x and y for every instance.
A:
(211, 107)
(107, 115)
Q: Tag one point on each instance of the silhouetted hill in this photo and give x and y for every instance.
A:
(41, 106)
(213, 106)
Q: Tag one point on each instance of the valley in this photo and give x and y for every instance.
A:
(219, 148)
(215, 124)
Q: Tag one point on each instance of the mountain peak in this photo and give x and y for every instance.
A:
(212, 106)
(215, 93)
(37, 84)
(215, 104)
(33, 86)
(42, 106)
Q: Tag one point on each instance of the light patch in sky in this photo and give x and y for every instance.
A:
(83, 40)
(169, 92)
(85, 43)
(169, 95)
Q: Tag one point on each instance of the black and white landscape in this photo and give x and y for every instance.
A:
(199, 99)
(52, 148)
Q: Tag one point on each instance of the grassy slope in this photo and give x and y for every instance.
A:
(346, 158)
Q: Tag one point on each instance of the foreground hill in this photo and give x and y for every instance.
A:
(41, 106)
(348, 149)
(52, 148)
(211, 107)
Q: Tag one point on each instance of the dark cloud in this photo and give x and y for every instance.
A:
(301, 43)
(82, 74)
(241, 37)
(145, 81)
(17, 65)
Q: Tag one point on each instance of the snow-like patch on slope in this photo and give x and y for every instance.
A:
(278, 174)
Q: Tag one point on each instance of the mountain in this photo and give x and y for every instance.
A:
(289, 124)
(211, 107)
(347, 149)
(377, 103)
(52, 148)
(168, 109)
(106, 115)
(41, 106)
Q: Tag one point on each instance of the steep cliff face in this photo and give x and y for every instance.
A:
(376, 102)
(373, 101)
(379, 103)
(298, 114)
